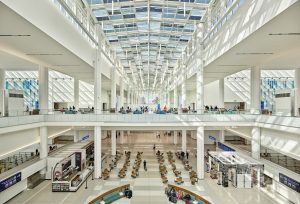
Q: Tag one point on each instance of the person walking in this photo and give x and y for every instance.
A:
(187, 155)
(145, 165)
(154, 147)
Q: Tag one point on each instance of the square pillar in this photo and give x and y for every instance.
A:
(97, 82)
(183, 95)
(2, 88)
(175, 137)
(221, 93)
(297, 91)
(183, 144)
(199, 71)
(113, 93)
(43, 145)
(113, 143)
(255, 142)
(122, 137)
(97, 152)
(175, 97)
(43, 90)
(200, 152)
(76, 93)
(255, 90)
(121, 93)
(222, 136)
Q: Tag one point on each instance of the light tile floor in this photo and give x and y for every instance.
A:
(147, 188)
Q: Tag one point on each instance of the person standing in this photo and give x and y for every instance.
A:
(187, 155)
(145, 165)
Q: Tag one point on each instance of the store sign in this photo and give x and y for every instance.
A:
(289, 182)
(225, 147)
(10, 181)
(85, 137)
(212, 138)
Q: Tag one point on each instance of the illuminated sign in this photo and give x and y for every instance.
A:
(10, 181)
(291, 183)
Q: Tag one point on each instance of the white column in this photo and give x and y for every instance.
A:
(121, 93)
(76, 135)
(113, 88)
(200, 152)
(97, 152)
(43, 145)
(175, 97)
(199, 72)
(255, 142)
(255, 90)
(183, 94)
(2, 87)
(222, 136)
(131, 97)
(43, 90)
(97, 82)
(2, 79)
(297, 91)
(128, 97)
(76, 93)
(175, 137)
(168, 99)
(221, 93)
(183, 143)
(122, 137)
(113, 142)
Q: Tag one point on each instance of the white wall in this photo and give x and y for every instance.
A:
(21, 140)
(230, 96)
(50, 20)
(250, 17)
(10, 142)
(283, 142)
(211, 94)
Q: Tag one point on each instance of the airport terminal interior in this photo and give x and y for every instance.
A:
(150, 101)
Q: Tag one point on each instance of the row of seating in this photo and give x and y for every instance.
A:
(113, 195)
(175, 193)
(189, 168)
(162, 167)
(136, 165)
(112, 165)
(122, 172)
(176, 172)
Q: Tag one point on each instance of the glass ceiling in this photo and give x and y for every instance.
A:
(148, 35)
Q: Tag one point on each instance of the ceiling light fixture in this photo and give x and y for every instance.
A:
(254, 53)
(284, 33)
(6, 35)
(44, 54)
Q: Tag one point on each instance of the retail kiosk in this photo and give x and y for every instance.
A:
(233, 168)
(70, 167)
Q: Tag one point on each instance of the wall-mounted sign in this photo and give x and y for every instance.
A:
(10, 181)
(212, 138)
(85, 137)
(289, 182)
(225, 147)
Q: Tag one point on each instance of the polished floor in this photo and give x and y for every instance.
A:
(148, 188)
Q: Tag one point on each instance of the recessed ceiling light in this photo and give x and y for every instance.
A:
(9, 35)
(255, 53)
(44, 54)
(232, 65)
(284, 33)
(66, 65)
